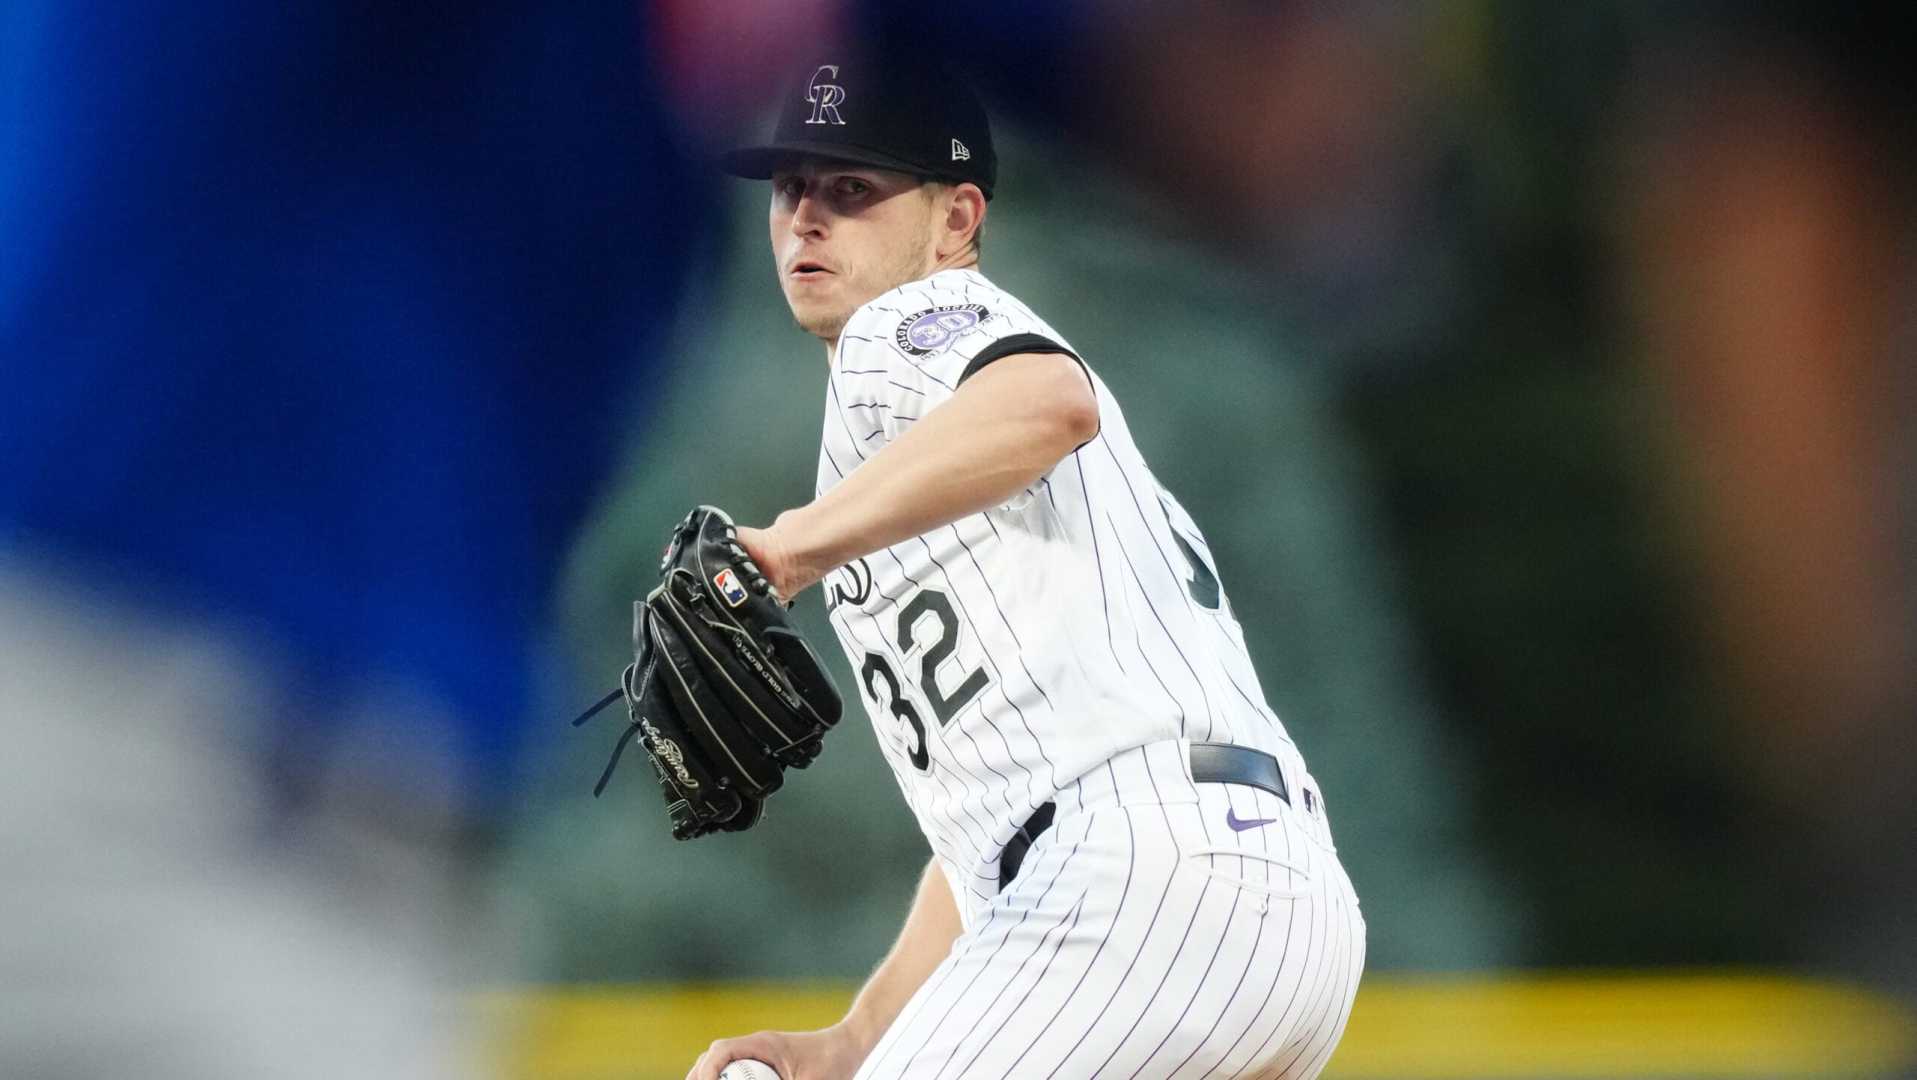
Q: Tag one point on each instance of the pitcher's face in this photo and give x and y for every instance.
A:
(843, 234)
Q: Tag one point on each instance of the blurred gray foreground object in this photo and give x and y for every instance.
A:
(164, 916)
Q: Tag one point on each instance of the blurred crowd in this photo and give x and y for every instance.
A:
(342, 344)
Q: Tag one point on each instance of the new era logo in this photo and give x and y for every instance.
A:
(959, 152)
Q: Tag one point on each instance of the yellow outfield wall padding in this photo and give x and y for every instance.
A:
(1695, 1025)
(640, 1032)
(1562, 1026)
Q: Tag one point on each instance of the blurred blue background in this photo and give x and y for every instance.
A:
(329, 317)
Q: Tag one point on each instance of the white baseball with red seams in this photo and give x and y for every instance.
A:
(1067, 648)
(748, 1069)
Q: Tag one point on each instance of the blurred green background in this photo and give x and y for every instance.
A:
(1281, 500)
(1457, 403)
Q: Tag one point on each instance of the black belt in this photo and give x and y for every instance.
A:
(1211, 763)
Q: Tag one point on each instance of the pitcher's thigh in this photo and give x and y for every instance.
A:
(1302, 1037)
(1113, 958)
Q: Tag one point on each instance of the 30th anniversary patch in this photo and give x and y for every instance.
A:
(924, 332)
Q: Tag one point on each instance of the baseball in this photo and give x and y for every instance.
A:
(748, 1069)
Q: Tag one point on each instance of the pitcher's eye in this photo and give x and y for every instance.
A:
(852, 185)
(789, 186)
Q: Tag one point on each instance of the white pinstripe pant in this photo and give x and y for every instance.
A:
(1146, 937)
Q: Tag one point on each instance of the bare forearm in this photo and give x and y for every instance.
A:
(1003, 430)
(930, 928)
(947, 466)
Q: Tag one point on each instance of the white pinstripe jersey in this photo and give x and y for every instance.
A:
(1003, 656)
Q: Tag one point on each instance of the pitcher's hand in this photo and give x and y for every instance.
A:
(828, 1054)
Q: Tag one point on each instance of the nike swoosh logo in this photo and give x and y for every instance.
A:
(1239, 824)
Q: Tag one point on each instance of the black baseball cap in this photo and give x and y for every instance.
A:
(905, 115)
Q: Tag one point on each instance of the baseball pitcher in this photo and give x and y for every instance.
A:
(1132, 871)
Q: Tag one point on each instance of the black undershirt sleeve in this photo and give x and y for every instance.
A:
(1017, 343)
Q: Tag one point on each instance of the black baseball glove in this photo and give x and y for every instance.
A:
(723, 694)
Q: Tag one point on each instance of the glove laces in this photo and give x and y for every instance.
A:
(628, 689)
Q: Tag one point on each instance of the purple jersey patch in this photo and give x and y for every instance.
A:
(933, 329)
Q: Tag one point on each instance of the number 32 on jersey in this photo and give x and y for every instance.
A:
(928, 627)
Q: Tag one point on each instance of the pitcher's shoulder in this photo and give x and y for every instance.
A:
(951, 310)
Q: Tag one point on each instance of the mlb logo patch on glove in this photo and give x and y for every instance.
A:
(728, 585)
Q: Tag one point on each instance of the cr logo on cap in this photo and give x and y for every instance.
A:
(825, 97)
